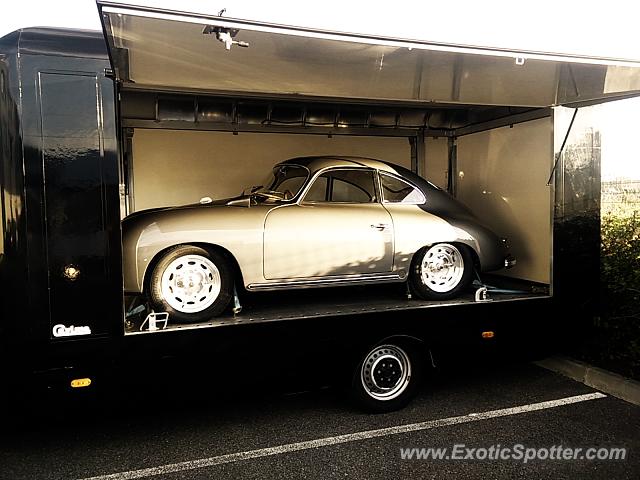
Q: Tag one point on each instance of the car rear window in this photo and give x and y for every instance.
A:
(396, 190)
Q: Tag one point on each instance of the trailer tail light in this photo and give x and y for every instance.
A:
(488, 334)
(80, 382)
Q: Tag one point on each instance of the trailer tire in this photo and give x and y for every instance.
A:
(387, 377)
(441, 271)
(191, 283)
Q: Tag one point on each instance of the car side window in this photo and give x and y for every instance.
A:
(318, 191)
(290, 185)
(395, 190)
(344, 186)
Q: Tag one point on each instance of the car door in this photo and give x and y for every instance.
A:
(338, 228)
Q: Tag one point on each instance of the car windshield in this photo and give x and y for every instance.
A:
(283, 183)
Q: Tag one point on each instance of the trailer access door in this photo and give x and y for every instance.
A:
(159, 50)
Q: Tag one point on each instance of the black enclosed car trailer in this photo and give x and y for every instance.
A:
(70, 107)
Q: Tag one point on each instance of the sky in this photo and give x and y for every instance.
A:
(585, 27)
(620, 139)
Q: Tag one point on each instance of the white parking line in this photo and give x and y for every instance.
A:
(349, 437)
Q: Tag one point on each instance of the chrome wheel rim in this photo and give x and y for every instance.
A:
(191, 283)
(385, 372)
(442, 268)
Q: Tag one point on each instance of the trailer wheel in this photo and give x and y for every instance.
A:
(387, 378)
(191, 283)
(441, 272)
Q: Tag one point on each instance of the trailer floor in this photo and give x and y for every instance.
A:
(325, 302)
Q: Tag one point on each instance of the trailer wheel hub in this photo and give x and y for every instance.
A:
(386, 372)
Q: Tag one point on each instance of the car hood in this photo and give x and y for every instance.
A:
(223, 202)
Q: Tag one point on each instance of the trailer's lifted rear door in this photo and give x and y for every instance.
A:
(156, 49)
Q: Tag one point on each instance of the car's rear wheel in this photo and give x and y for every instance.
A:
(191, 283)
(441, 271)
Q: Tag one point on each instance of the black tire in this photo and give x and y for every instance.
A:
(437, 288)
(191, 311)
(385, 389)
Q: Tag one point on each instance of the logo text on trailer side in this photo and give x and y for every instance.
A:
(61, 330)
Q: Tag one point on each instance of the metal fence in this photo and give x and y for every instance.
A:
(621, 196)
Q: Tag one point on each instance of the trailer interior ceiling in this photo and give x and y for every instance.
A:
(208, 104)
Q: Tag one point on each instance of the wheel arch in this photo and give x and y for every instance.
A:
(474, 254)
(420, 344)
(402, 339)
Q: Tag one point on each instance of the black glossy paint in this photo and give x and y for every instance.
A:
(13, 274)
(75, 202)
(61, 176)
(576, 247)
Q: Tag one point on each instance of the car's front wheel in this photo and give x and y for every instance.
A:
(442, 271)
(191, 283)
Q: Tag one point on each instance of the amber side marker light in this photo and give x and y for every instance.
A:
(80, 382)
(488, 334)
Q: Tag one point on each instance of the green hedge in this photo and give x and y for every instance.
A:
(616, 340)
(621, 263)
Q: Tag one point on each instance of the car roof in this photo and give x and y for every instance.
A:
(439, 202)
(319, 162)
(314, 164)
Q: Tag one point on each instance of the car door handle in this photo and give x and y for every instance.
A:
(380, 226)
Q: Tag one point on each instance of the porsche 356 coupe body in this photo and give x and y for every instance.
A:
(314, 222)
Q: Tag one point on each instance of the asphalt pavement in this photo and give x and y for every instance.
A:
(185, 431)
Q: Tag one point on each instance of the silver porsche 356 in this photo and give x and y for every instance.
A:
(314, 222)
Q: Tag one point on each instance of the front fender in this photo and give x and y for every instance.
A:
(237, 230)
